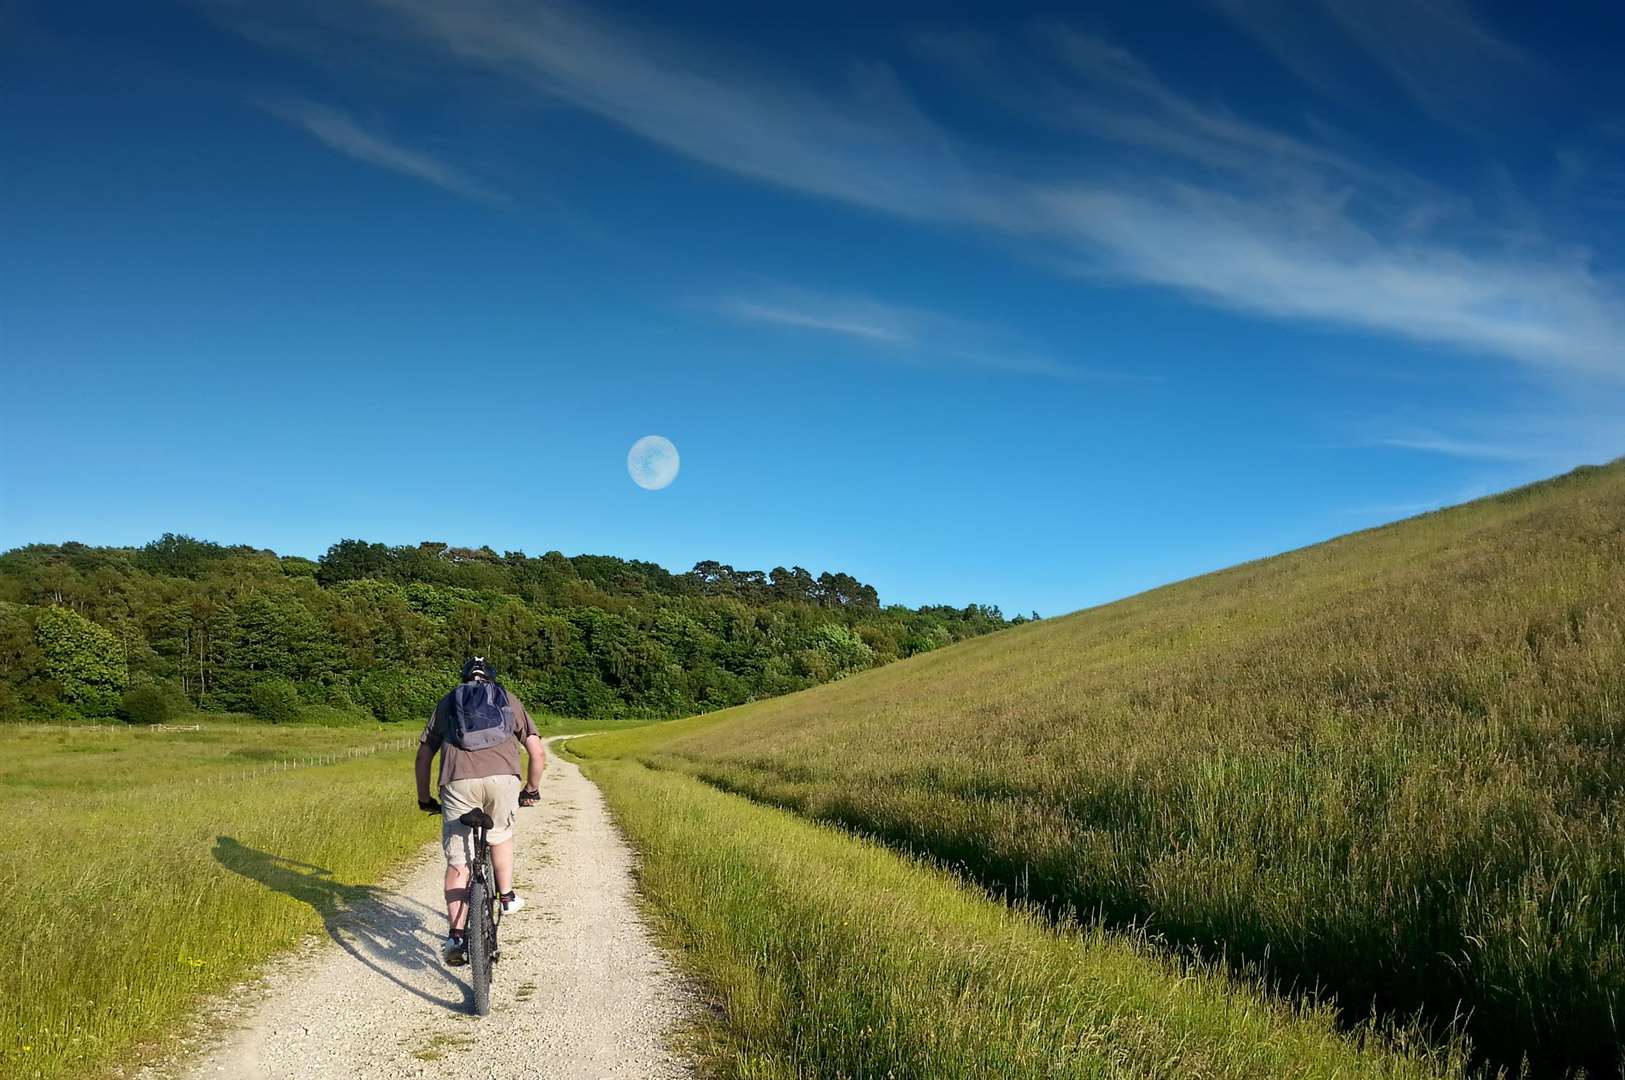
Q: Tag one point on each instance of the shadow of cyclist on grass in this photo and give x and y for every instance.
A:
(382, 929)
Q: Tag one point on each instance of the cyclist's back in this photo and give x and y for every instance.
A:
(477, 728)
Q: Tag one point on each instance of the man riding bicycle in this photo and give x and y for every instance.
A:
(477, 729)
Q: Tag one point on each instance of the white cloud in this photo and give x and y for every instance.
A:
(909, 335)
(340, 132)
(865, 320)
(1385, 512)
(1450, 63)
(1393, 511)
(861, 141)
(1312, 263)
(1115, 96)
(1543, 429)
(1453, 447)
(1191, 197)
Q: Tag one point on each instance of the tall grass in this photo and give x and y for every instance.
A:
(1391, 766)
(833, 957)
(142, 869)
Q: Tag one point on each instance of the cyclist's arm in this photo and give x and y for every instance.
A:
(537, 752)
(424, 761)
(535, 749)
(428, 743)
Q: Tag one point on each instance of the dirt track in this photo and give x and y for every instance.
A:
(581, 990)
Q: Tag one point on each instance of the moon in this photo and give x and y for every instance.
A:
(652, 462)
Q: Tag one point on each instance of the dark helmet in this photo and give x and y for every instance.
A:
(478, 667)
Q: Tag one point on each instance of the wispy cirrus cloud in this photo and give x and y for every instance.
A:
(339, 131)
(1241, 215)
(860, 139)
(1312, 263)
(1550, 427)
(1433, 443)
(864, 320)
(1394, 511)
(1453, 66)
(1238, 215)
(909, 335)
(1166, 191)
(1087, 84)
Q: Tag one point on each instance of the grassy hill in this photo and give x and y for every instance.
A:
(1391, 766)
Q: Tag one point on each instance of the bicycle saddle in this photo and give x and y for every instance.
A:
(477, 819)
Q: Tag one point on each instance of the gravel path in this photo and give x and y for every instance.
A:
(581, 990)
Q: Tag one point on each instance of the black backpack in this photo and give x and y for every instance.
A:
(478, 716)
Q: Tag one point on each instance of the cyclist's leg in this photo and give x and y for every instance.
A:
(502, 864)
(456, 799)
(456, 886)
(502, 803)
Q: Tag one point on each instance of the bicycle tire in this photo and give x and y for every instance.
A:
(481, 941)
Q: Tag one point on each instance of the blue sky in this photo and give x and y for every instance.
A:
(1026, 307)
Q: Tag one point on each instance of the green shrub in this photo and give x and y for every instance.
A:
(86, 660)
(276, 701)
(27, 690)
(150, 703)
(338, 696)
(46, 711)
(847, 650)
(402, 696)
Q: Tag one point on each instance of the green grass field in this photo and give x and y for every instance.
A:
(832, 957)
(550, 726)
(146, 868)
(1392, 766)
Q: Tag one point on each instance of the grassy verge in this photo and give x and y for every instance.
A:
(143, 869)
(549, 726)
(834, 957)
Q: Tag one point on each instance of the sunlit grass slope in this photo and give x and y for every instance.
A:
(144, 868)
(831, 957)
(1391, 764)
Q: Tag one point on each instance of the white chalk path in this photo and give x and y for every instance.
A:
(581, 990)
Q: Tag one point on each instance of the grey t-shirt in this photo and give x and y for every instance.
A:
(499, 760)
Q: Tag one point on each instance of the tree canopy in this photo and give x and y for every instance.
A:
(373, 629)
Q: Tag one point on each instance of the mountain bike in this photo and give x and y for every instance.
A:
(484, 913)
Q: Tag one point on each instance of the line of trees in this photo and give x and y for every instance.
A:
(370, 630)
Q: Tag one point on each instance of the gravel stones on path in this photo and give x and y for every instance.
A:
(581, 990)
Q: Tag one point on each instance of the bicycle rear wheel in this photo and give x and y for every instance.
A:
(481, 936)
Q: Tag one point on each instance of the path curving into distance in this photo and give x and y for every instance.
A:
(581, 990)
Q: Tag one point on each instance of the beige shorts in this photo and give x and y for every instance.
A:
(496, 795)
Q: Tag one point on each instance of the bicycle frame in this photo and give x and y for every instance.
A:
(483, 912)
(483, 869)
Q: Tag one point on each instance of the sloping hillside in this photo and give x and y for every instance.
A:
(1391, 765)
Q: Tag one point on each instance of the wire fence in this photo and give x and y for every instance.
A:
(247, 774)
(226, 771)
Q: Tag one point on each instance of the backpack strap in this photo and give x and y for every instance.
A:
(507, 708)
(441, 720)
